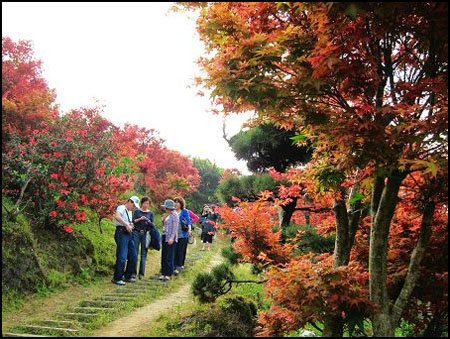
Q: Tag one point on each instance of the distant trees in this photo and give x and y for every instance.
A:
(210, 175)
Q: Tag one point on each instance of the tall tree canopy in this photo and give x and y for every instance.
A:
(266, 146)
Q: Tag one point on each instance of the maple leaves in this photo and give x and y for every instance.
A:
(253, 226)
(307, 290)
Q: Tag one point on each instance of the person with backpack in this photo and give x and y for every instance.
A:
(208, 221)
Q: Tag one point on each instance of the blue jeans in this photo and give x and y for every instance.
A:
(167, 257)
(139, 239)
(125, 250)
(180, 253)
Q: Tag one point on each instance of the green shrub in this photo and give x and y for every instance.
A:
(56, 279)
(208, 286)
(229, 254)
(313, 242)
(21, 271)
(405, 329)
(244, 308)
(217, 322)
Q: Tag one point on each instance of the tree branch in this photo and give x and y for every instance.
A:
(313, 210)
(249, 281)
(316, 327)
(414, 269)
(224, 134)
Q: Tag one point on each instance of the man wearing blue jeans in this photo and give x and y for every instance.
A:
(124, 242)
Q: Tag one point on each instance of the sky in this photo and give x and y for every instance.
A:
(138, 60)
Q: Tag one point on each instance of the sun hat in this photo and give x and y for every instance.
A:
(135, 200)
(169, 203)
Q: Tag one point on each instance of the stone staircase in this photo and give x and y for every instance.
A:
(74, 321)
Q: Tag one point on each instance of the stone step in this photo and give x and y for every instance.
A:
(143, 281)
(62, 323)
(127, 290)
(130, 293)
(97, 303)
(10, 334)
(49, 328)
(84, 316)
(93, 309)
(115, 297)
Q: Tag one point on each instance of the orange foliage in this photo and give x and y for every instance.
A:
(252, 224)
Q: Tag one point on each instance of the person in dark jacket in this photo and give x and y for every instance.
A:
(143, 221)
(184, 230)
(208, 221)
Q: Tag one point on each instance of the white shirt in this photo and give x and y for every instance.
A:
(123, 213)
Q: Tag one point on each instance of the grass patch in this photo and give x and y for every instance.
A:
(228, 316)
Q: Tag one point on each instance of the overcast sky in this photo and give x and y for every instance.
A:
(137, 59)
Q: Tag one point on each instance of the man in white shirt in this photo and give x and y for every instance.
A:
(124, 242)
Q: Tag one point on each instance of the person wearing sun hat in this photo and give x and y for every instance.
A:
(124, 242)
(169, 239)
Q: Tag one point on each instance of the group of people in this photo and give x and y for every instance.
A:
(133, 221)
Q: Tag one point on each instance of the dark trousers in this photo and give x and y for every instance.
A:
(139, 241)
(167, 257)
(125, 250)
(180, 253)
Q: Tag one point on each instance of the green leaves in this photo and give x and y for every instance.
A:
(295, 139)
(356, 197)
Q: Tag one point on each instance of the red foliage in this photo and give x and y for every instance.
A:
(252, 224)
(167, 173)
(26, 98)
(308, 289)
(70, 166)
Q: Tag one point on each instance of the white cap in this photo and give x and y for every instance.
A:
(135, 200)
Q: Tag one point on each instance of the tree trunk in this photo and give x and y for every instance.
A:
(100, 224)
(354, 216)
(341, 250)
(414, 264)
(285, 216)
(333, 327)
(382, 326)
(376, 195)
(286, 213)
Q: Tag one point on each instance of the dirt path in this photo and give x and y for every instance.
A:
(132, 324)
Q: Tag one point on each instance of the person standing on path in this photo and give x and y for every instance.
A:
(169, 239)
(184, 231)
(124, 242)
(143, 221)
(208, 222)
